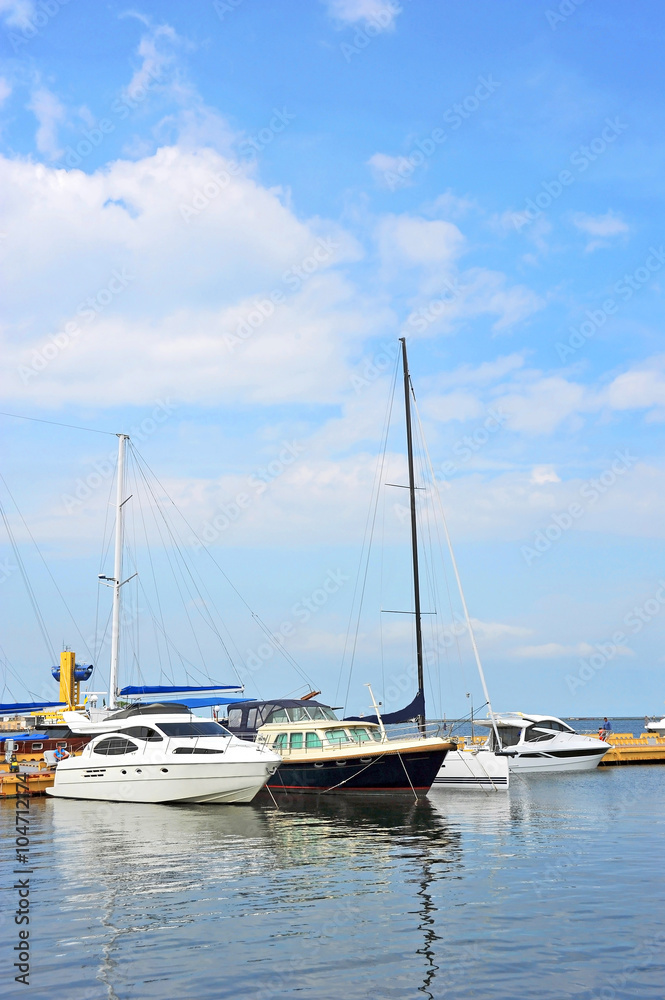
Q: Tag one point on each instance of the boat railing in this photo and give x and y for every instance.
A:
(400, 733)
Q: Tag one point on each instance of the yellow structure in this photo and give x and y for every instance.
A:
(68, 685)
(649, 748)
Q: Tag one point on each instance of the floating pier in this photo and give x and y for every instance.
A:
(647, 748)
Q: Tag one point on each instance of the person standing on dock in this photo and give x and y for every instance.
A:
(605, 729)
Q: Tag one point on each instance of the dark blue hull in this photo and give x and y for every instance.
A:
(407, 771)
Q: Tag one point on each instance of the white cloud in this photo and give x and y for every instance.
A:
(640, 387)
(386, 170)
(412, 241)
(542, 474)
(380, 14)
(50, 113)
(5, 89)
(601, 227)
(17, 13)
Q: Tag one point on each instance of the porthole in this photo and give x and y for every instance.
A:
(139, 771)
(165, 770)
(123, 772)
(319, 765)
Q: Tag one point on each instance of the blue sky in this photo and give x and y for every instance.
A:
(216, 220)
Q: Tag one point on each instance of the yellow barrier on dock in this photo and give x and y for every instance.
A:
(628, 749)
(35, 781)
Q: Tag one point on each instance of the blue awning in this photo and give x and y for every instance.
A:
(24, 737)
(29, 706)
(159, 689)
(209, 702)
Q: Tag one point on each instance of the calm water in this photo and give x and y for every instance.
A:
(552, 890)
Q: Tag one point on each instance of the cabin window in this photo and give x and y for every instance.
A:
(113, 746)
(534, 735)
(359, 735)
(296, 741)
(251, 718)
(142, 733)
(337, 736)
(509, 735)
(313, 741)
(201, 728)
(37, 746)
(281, 742)
(235, 718)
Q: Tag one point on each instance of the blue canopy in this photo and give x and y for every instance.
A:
(24, 737)
(29, 706)
(162, 690)
(209, 702)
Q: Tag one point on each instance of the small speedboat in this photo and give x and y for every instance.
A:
(543, 743)
(163, 753)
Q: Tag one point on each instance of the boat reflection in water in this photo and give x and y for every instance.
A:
(325, 886)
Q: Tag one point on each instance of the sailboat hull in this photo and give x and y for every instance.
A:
(467, 770)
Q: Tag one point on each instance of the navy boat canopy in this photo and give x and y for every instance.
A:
(412, 711)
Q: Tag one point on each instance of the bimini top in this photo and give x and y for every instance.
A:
(247, 718)
(157, 708)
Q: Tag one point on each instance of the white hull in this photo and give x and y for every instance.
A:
(468, 770)
(218, 782)
(544, 764)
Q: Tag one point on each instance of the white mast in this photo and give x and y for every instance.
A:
(117, 572)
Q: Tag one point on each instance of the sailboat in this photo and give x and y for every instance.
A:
(464, 768)
(159, 752)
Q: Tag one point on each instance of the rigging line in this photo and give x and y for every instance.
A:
(285, 653)
(28, 587)
(154, 580)
(367, 540)
(183, 563)
(102, 560)
(8, 667)
(56, 423)
(469, 626)
(46, 566)
(204, 546)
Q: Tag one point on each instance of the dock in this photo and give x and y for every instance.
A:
(647, 748)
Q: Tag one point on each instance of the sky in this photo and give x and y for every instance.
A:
(216, 221)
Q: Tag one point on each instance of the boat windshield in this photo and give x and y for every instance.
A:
(201, 728)
(509, 735)
(298, 713)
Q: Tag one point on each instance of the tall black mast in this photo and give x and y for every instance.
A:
(414, 526)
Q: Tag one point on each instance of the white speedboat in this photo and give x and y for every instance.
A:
(163, 753)
(543, 743)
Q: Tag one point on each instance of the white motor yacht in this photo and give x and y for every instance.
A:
(656, 727)
(543, 743)
(162, 753)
